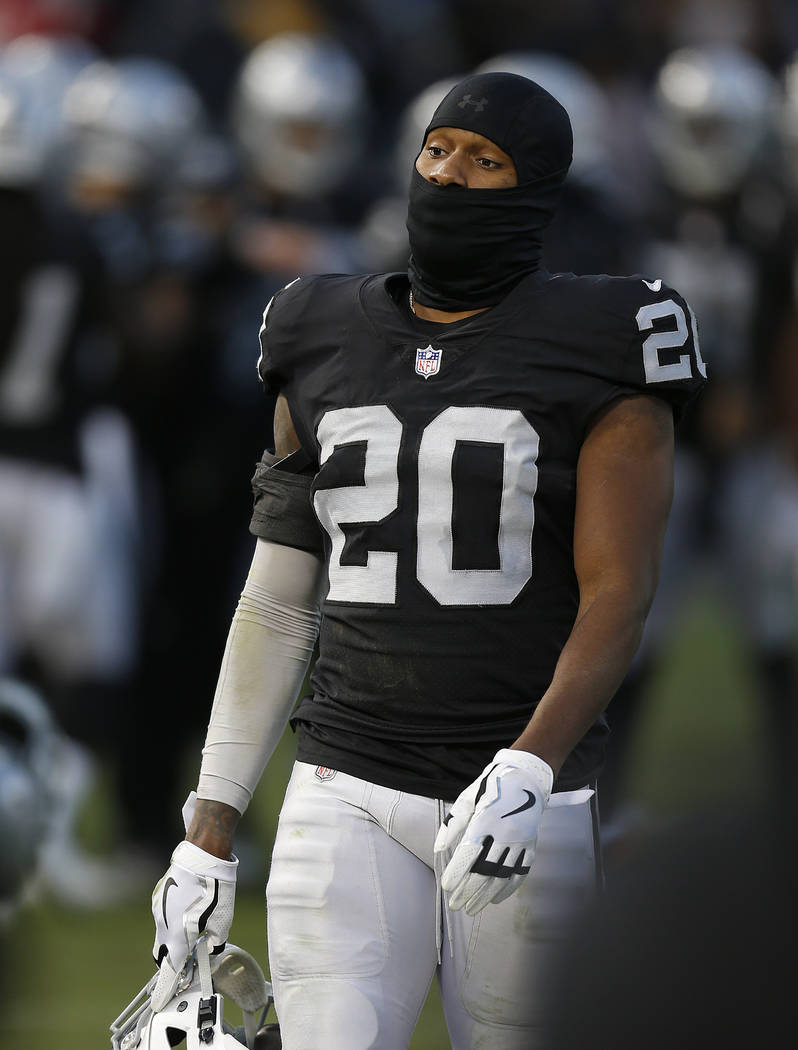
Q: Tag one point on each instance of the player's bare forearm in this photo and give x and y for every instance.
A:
(592, 665)
(624, 491)
(213, 826)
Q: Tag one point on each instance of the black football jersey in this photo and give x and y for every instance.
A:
(445, 473)
(55, 361)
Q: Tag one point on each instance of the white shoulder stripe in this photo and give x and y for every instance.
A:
(699, 360)
(655, 286)
(262, 331)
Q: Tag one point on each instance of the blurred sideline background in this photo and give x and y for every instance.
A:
(164, 168)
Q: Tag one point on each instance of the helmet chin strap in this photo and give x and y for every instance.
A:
(208, 1004)
(204, 967)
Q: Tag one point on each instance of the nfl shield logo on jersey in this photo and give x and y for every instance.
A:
(325, 773)
(428, 361)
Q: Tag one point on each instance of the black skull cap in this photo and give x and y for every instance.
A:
(520, 116)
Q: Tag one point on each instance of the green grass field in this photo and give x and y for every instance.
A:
(68, 974)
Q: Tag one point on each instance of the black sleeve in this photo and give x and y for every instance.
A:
(277, 337)
(644, 341)
(283, 512)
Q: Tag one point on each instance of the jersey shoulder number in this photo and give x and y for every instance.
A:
(670, 345)
(647, 336)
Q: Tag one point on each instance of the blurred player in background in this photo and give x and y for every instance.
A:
(68, 507)
(473, 472)
(718, 219)
(661, 946)
(127, 123)
(299, 113)
(762, 506)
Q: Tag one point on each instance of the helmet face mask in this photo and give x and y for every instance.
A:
(194, 1017)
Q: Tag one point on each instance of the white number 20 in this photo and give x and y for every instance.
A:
(378, 496)
(656, 371)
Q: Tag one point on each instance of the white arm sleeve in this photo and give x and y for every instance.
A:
(268, 650)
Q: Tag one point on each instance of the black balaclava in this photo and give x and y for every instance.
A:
(470, 247)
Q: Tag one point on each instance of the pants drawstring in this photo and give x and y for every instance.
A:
(442, 916)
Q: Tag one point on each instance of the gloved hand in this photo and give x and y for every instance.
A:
(196, 895)
(493, 828)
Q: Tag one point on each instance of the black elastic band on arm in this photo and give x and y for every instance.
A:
(283, 512)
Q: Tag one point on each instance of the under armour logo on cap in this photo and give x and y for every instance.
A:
(478, 104)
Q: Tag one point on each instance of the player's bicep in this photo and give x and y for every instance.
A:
(282, 512)
(285, 436)
(623, 496)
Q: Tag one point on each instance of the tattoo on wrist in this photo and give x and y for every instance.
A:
(213, 827)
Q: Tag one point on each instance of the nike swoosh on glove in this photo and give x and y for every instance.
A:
(493, 828)
(195, 896)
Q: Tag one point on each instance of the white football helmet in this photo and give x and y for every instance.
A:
(35, 71)
(297, 114)
(129, 121)
(194, 1017)
(577, 91)
(713, 109)
(27, 746)
(788, 117)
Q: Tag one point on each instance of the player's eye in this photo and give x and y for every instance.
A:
(488, 162)
(435, 151)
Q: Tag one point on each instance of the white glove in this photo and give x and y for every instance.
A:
(493, 827)
(195, 896)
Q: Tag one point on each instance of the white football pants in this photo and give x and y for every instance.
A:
(357, 923)
(68, 582)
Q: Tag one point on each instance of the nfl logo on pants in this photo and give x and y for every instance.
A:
(325, 773)
(428, 361)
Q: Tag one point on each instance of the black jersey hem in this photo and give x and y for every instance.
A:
(365, 757)
(316, 754)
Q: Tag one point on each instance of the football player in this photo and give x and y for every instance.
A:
(467, 500)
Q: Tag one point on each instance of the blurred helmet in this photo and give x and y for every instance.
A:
(298, 112)
(577, 91)
(35, 72)
(413, 124)
(129, 121)
(27, 743)
(788, 117)
(713, 109)
(194, 1017)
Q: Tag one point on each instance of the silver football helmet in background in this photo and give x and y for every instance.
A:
(578, 92)
(713, 110)
(129, 121)
(35, 72)
(788, 119)
(28, 741)
(194, 1017)
(298, 114)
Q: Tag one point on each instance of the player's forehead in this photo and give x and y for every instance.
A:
(464, 138)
